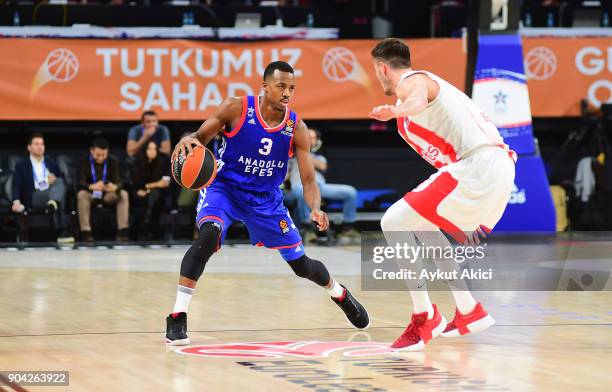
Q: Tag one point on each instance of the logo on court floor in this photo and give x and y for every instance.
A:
(306, 349)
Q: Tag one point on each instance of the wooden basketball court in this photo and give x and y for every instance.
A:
(99, 314)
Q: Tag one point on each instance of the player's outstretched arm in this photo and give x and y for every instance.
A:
(312, 195)
(412, 92)
(227, 113)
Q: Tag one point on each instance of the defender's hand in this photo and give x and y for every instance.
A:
(185, 147)
(321, 219)
(383, 113)
(474, 237)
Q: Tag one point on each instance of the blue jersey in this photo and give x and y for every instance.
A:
(254, 156)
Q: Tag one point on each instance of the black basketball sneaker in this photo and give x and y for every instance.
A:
(176, 329)
(356, 314)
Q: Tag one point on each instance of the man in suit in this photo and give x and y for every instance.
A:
(38, 182)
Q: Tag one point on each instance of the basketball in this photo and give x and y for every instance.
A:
(196, 171)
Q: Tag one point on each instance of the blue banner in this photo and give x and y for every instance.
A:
(500, 89)
(530, 208)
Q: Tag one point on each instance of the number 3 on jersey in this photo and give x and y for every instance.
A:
(267, 146)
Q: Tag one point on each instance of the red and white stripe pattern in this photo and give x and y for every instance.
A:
(449, 127)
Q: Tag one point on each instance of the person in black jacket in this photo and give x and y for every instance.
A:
(150, 177)
(100, 181)
(38, 182)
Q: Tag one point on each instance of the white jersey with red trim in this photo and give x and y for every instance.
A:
(450, 126)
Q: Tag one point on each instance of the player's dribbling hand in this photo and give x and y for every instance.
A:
(321, 219)
(184, 146)
(474, 237)
(383, 113)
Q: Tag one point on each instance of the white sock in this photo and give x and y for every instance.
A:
(422, 303)
(336, 290)
(464, 300)
(183, 297)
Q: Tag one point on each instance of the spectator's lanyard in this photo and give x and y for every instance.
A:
(94, 178)
(42, 184)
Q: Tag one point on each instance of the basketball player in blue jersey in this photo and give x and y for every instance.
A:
(251, 165)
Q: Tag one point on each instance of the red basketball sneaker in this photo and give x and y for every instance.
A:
(476, 321)
(420, 331)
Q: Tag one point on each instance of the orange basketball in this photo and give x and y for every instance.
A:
(197, 171)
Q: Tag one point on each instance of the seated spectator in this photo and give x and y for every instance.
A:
(344, 193)
(149, 129)
(38, 182)
(150, 177)
(100, 182)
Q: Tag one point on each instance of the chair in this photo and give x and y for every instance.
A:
(8, 221)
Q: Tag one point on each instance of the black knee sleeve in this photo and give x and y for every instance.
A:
(310, 269)
(197, 256)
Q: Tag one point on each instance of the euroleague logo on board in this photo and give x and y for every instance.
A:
(540, 63)
(305, 349)
(61, 65)
(341, 65)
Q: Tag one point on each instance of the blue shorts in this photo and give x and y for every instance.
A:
(263, 213)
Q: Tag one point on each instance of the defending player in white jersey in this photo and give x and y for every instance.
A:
(466, 197)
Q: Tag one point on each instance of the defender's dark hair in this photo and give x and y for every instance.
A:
(34, 136)
(147, 113)
(393, 52)
(100, 142)
(273, 66)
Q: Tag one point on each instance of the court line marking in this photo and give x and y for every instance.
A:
(288, 329)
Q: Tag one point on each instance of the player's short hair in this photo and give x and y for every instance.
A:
(34, 136)
(147, 113)
(273, 66)
(393, 52)
(100, 142)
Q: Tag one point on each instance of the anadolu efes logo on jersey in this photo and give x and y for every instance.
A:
(518, 196)
(288, 130)
(306, 349)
